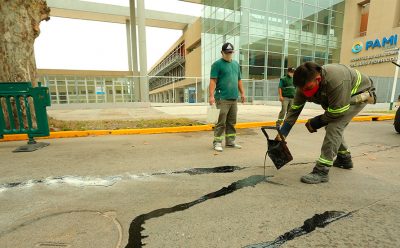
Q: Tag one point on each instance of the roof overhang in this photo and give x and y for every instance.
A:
(117, 14)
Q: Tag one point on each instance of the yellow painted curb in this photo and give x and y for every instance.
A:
(362, 118)
(385, 117)
(73, 134)
(255, 124)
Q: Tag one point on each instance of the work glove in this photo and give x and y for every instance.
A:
(310, 128)
(315, 123)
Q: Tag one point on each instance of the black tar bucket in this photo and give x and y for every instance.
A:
(277, 150)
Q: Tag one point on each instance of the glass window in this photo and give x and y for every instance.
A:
(275, 45)
(322, 30)
(258, 18)
(245, 71)
(324, 3)
(293, 47)
(293, 23)
(274, 59)
(294, 9)
(256, 72)
(258, 4)
(276, 6)
(309, 12)
(275, 23)
(308, 27)
(320, 52)
(338, 5)
(305, 58)
(244, 57)
(336, 33)
(244, 40)
(319, 61)
(323, 16)
(273, 73)
(337, 19)
(307, 50)
(334, 55)
(321, 42)
(258, 31)
(312, 2)
(291, 60)
(256, 58)
(244, 19)
(293, 28)
(257, 43)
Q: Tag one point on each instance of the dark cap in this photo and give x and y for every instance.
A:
(291, 69)
(227, 47)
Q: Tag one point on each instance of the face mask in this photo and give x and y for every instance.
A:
(311, 92)
(227, 56)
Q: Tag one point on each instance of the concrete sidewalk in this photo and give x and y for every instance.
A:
(246, 112)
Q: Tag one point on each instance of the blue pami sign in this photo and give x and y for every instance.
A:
(392, 40)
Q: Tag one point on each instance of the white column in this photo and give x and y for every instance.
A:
(144, 86)
(134, 51)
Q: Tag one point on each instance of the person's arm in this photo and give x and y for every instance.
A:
(213, 83)
(280, 90)
(293, 113)
(280, 94)
(339, 104)
(241, 90)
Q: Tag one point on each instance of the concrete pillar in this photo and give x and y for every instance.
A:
(134, 52)
(144, 85)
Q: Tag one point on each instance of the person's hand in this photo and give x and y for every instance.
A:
(309, 127)
(278, 137)
(212, 100)
(242, 98)
(281, 99)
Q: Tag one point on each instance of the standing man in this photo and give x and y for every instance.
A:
(286, 93)
(342, 92)
(225, 85)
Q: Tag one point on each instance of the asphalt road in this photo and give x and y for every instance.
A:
(124, 191)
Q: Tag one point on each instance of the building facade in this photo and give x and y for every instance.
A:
(176, 77)
(372, 40)
(271, 35)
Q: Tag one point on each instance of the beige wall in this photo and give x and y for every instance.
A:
(193, 33)
(193, 59)
(383, 21)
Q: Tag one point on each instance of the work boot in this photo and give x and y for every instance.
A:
(318, 175)
(343, 161)
(218, 147)
(233, 145)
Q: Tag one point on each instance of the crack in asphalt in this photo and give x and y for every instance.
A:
(82, 181)
(135, 228)
(318, 220)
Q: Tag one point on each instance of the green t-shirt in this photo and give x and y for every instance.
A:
(227, 75)
(288, 89)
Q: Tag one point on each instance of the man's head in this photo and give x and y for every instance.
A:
(290, 71)
(227, 51)
(307, 78)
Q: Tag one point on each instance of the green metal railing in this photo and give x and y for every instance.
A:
(23, 110)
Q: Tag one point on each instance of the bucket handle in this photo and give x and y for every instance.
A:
(273, 128)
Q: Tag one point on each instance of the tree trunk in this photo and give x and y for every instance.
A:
(19, 27)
